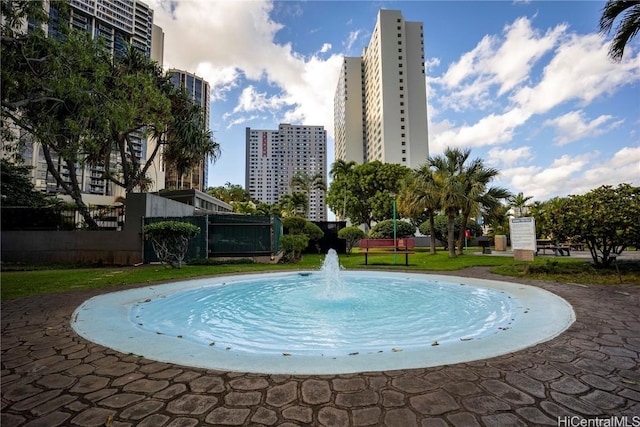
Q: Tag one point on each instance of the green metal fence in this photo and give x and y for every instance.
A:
(226, 235)
(238, 235)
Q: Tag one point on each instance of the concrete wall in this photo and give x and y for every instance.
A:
(85, 246)
(82, 246)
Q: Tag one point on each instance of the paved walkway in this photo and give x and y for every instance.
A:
(52, 377)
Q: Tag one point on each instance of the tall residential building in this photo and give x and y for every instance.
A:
(198, 90)
(118, 23)
(274, 157)
(380, 103)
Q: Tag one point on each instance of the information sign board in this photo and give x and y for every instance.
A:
(523, 233)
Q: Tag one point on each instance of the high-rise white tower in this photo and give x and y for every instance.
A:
(198, 90)
(274, 157)
(380, 104)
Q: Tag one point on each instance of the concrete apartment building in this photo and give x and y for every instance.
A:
(118, 22)
(273, 157)
(199, 92)
(380, 103)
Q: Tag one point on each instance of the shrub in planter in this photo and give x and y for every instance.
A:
(170, 240)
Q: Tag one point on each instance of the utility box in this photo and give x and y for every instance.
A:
(500, 242)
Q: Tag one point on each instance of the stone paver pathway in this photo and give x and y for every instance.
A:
(52, 377)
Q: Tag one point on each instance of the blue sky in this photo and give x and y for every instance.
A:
(526, 85)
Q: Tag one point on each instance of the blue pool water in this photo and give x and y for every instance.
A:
(299, 315)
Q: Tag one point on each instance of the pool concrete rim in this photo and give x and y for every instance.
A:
(547, 316)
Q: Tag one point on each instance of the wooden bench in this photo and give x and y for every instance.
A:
(386, 247)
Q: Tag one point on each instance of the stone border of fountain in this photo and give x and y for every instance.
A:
(547, 316)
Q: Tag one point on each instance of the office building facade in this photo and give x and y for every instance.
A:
(274, 157)
(199, 92)
(380, 103)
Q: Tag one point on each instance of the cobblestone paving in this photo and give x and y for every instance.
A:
(52, 377)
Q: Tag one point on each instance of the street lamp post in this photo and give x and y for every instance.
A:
(395, 233)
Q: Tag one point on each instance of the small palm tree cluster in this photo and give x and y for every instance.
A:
(454, 185)
(301, 185)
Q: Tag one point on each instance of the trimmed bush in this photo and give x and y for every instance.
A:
(351, 235)
(384, 230)
(170, 240)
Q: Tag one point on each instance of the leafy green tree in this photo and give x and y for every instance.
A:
(307, 183)
(606, 218)
(384, 230)
(340, 171)
(244, 207)
(295, 240)
(17, 188)
(170, 240)
(629, 24)
(83, 106)
(370, 192)
(230, 193)
(352, 235)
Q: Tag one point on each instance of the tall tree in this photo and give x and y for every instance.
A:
(340, 171)
(419, 197)
(371, 190)
(306, 183)
(447, 171)
(628, 13)
(81, 105)
(475, 177)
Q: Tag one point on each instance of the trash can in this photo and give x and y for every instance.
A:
(484, 243)
(500, 242)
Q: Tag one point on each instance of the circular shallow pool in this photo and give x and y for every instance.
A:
(306, 323)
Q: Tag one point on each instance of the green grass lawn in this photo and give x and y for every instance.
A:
(50, 279)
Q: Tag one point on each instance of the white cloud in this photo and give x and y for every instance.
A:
(326, 47)
(622, 167)
(495, 62)
(580, 70)
(490, 130)
(573, 126)
(509, 157)
(353, 37)
(297, 85)
(545, 183)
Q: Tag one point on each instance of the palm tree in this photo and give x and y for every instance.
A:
(627, 28)
(341, 170)
(475, 177)
(447, 170)
(419, 195)
(293, 204)
(519, 204)
(307, 183)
